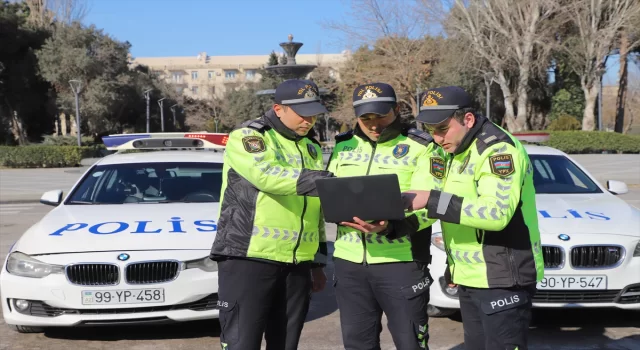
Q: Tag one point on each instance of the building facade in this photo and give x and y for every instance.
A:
(205, 76)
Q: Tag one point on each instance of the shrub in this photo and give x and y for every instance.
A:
(565, 122)
(45, 156)
(593, 142)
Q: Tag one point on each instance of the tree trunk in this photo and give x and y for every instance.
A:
(621, 99)
(590, 98)
(509, 112)
(521, 119)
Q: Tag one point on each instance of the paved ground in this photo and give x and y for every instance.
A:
(551, 329)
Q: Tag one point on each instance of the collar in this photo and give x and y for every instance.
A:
(389, 133)
(273, 121)
(471, 135)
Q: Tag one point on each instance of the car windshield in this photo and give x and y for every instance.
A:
(150, 183)
(558, 174)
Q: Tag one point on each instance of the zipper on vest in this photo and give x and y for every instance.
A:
(364, 240)
(304, 209)
(512, 266)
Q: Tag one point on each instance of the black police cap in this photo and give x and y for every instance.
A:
(438, 104)
(303, 96)
(376, 98)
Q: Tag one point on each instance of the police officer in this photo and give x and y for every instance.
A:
(271, 244)
(383, 266)
(489, 220)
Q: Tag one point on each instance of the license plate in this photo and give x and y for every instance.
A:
(122, 296)
(573, 282)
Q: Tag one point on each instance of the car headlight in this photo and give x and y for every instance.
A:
(437, 240)
(20, 264)
(204, 264)
(636, 252)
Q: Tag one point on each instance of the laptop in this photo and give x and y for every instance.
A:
(370, 197)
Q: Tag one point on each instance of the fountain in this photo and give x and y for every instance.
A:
(290, 69)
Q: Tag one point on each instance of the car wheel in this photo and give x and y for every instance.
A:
(433, 311)
(26, 329)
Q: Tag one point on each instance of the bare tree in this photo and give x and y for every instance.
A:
(633, 105)
(597, 25)
(510, 36)
(44, 12)
(394, 29)
(629, 41)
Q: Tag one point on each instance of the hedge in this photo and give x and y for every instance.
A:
(593, 142)
(45, 156)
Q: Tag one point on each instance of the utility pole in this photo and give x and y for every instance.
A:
(76, 86)
(161, 114)
(147, 96)
(173, 110)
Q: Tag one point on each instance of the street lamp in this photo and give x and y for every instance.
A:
(488, 79)
(76, 86)
(173, 110)
(161, 114)
(147, 96)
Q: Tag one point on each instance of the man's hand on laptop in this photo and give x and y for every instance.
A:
(415, 200)
(366, 227)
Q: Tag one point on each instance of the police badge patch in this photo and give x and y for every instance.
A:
(312, 151)
(502, 164)
(253, 144)
(400, 150)
(437, 167)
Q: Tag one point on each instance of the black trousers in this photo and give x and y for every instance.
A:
(496, 319)
(257, 298)
(364, 292)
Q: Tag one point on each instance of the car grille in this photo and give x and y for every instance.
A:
(553, 256)
(40, 309)
(595, 256)
(151, 272)
(631, 295)
(93, 274)
(578, 296)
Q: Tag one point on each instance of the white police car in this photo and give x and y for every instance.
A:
(129, 243)
(590, 238)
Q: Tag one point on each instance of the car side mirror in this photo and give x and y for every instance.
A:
(51, 198)
(617, 187)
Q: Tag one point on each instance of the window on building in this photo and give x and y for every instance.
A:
(194, 75)
(229, 74)
(213, 90)
(250, 74)
(211, 74)
(179, 90)
(194, 90)
(177, 78)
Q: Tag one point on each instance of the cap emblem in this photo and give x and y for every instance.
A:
(369, 94)
(310, 94)
(429, 101)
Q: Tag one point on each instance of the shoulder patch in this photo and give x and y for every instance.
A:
(347, 135)
(253, 144)
(419, 136)
(437, 167)
(256, 124)
(502, 164)
(491, 135)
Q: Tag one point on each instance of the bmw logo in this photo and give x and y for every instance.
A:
(123, 257)
(564, 237)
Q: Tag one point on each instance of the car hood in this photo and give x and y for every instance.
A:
(587, 214)
(88, 228)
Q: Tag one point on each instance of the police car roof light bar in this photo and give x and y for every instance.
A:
(170, 140)
(538, 137)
